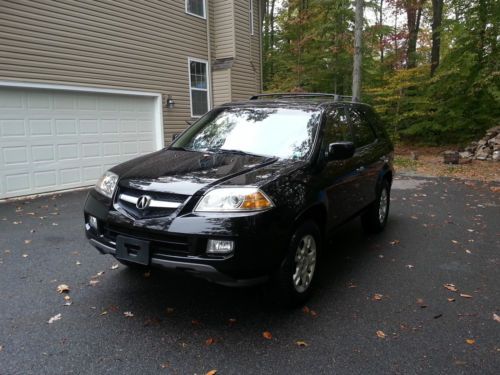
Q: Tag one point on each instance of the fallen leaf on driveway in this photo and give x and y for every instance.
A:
(496, 318)
(468, 251)
(67, 298)
(211, 372)
(267, 335)
(451, 287)
(470, 341)
(77, 263)
(232, 322)
(1, 348)
(306, 310)
(165, 365)
(128, 314)
(94, 282)
(394, 242)
(209, 341)
(63, 288)
(381, 334)
(27, 242)
(451, 299)
(147, 274)
(301, 343)
(455, 242)
(465, 295)
(195, 322)
(377, 297)
(54, 318)
(410, 266)
(495, 189)
(25, 255)
(115, 266)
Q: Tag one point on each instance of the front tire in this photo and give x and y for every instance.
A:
(374, 219)
(292, 285)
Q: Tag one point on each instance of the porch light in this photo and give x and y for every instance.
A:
(170, 102)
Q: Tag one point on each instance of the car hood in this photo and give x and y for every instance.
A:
(189, 172)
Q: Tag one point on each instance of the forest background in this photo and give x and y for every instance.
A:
(429, 67)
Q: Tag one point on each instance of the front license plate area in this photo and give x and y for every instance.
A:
(132, 250)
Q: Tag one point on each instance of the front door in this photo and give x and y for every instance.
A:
(340, 178)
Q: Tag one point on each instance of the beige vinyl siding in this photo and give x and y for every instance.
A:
(223, 31)
(245, 75)
(221, 80)
(140, 45)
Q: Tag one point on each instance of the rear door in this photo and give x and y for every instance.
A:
(367, 155)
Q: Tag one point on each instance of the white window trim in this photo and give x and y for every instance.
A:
(251, 17)
(208, 89)
(158, 119)
(204, 17)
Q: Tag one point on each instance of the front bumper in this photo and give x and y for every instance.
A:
(179, 243)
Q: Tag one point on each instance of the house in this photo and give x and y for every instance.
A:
(87, 84)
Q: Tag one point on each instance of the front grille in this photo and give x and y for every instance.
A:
(150, 212)
(160, 244)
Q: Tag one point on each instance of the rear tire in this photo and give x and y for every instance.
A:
(374, 219)
(293, 283)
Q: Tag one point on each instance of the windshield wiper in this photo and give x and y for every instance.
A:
(177, 148)
(237, 152)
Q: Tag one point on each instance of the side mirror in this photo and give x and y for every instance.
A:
(340, 150)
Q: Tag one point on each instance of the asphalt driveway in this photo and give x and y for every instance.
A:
(421, 298)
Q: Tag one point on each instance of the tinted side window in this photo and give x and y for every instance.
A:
(337, 127)
(363, 132)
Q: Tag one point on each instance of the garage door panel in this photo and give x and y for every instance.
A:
(12, 128)
(51, 140)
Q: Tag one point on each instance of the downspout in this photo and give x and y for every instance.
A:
(209, 58)
(260, 49)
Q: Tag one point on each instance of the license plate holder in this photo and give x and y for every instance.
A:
(132, 250)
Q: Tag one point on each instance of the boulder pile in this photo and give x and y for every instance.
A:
(488, 148)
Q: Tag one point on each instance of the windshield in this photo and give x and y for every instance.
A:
(278, 132)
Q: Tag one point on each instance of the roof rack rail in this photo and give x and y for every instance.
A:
(336, 97)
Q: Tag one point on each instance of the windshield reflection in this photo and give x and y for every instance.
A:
(276, 132)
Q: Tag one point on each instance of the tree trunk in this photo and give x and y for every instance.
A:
(414, 15)
(358, 39)
(437, 17)
(381, 35)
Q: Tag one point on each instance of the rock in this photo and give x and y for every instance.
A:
(451, 157)
(496, 156)
(481, 143)
(466, 155)
(482, 153)
(494, 141)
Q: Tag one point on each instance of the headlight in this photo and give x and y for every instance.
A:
(234, 200)
(107, 183)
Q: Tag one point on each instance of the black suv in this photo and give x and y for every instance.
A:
(247, 194)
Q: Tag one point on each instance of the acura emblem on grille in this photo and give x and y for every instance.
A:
(143, 202)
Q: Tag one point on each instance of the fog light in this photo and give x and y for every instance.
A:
(220, 247)
(93, 222)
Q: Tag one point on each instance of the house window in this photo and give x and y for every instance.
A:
(250, 16)
(198, 83)
(196, 8)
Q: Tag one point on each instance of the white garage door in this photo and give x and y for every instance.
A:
(52, 140)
